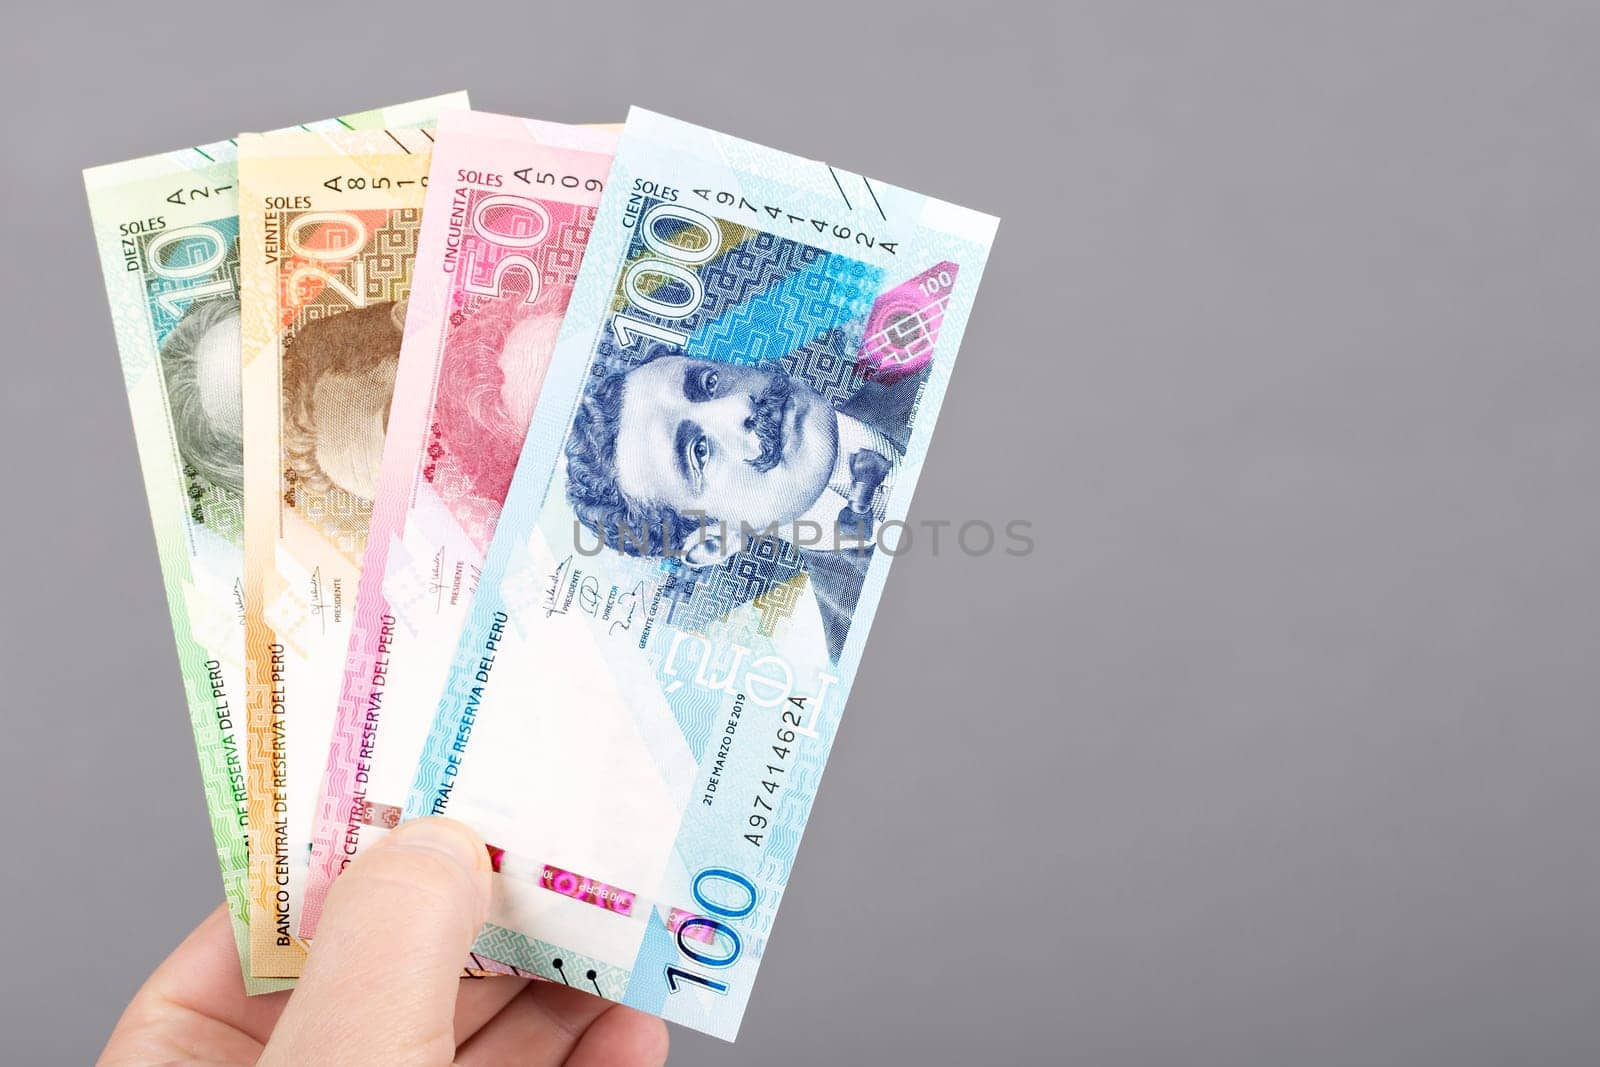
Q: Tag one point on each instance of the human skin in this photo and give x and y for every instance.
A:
(381, 984)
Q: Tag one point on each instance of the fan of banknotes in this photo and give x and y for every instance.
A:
(543, 476)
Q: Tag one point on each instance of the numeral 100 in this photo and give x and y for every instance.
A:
(691, 246)
(718, 928)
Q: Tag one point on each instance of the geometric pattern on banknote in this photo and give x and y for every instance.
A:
(768, 298)
(550, 961)
(905, 322)
(328, 337)
(214, 621)
(767, 568)
(562, 252)
(828, 364)
(341, 516)
(756, 262)
(413, 584)
(558, 256)
(776, 603)
(218, 509)
(341, 773)
(297, 624)
(390, 253)
(783, 313)
(750, 261)
(523, 588)
(476, 515)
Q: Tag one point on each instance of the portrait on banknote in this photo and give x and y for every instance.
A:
(770, 462)
(691, 551)
(200, 367)
(490, 373)
(338, 377)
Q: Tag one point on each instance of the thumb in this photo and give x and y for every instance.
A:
(380, 983)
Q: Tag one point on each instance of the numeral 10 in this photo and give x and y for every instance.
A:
(211, 249)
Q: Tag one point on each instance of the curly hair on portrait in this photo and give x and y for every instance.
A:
(350, 343)
(215, 451)
(634, 527)
(480, 435)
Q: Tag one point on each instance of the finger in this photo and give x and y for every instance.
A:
(381, 981)
(481, 999)
(622, 1036)
(195, 1004)
(542, 1028)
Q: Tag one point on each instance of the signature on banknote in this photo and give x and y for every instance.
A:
(316, 603)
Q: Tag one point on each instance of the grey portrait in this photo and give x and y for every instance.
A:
(200, 367)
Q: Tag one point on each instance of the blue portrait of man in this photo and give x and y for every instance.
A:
(681, 457)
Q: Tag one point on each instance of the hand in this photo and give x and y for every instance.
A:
(382, 985)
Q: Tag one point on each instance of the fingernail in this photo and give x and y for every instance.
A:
(448, 838)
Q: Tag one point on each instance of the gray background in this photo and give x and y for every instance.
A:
(1282, 749)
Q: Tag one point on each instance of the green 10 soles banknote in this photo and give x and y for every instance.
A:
(677, 595)
(167, 230)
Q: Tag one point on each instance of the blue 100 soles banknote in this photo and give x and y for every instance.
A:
(676, 601)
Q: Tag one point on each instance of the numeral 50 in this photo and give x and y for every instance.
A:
(506, 221)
